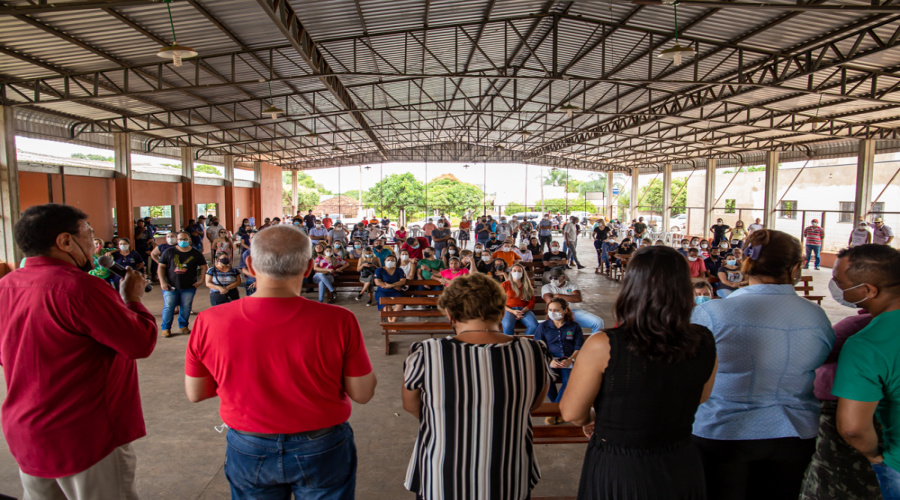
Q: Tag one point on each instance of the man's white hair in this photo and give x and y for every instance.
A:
(281, 252)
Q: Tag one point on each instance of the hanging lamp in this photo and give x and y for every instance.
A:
(272, 110)
(569, 107)
(676, 52)
(175, 52)
(817, 119)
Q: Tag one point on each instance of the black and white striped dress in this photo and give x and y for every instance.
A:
(475, 438)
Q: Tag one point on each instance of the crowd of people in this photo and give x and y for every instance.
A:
(742, 392)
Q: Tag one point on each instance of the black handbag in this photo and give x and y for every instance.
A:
(366, 272)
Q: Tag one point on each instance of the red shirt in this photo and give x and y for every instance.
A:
(327, 222)
(68, 346)
(513, 300)
(416, 253)
(698, 268)
(279, 363)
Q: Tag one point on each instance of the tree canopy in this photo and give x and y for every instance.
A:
(558, 177)
(454, 197)
(89, 156)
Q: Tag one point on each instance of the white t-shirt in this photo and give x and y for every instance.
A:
(568, 288)
(754, 227)
(571, 231)
(859, 237)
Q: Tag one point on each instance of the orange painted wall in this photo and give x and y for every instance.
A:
(32, 189)
(270, 185)
(243, 204)
(95, 197)
(150, 193)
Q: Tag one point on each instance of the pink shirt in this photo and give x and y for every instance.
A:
(68, 346)
(428, 228)
(698, 268)
(448, 274)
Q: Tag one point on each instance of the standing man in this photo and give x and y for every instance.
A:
(882, 234)
(482, 231)
(756, 226)
(814, 236)
(181, 271)
(310, 220)
(428, 228)
(503, 229)
(867, 382)
(570, 234)
(73, 405)
(860, 235)
(640, 229)
(195, 234)
(212, 232)
(545, 231)
(327, 221)
(287, 415)
(439, 237)
(718, 230)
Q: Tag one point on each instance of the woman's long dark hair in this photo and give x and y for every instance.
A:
(654, 307)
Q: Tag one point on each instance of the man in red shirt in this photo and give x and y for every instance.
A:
(285, 370)
(68, 345)
(415, 247)
(327, 221)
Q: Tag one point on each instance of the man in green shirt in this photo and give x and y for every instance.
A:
(868, 371)
(640, 229)
(429, 265)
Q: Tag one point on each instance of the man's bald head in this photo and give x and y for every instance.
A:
(281, 252)
(877, 265)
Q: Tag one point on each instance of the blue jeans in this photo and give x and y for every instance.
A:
(589, 323)
(556, 394)
(888, 480)
(509, 322)
(322, 468)
(324, 281)
(810, 249)
(184, 299)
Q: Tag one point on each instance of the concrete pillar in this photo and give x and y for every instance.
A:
(230, 216)
(865, 168)
(609, 196)
(123, 176)
(635, 181)
(188, 203)
(667, 196)
(771, 190)
(294, 187)
(257, 193)
(9, 189)
(709, 198)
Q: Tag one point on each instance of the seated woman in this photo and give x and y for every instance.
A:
(222, 280)
(685, 245)
(341, 251)
(485, 395)
(730, 276)
(467, 261)
(452, 251)
(535, 247)
(485, 262)
(624, 252)
(523, 252)
(407, 265)
(400, 234)
(357, 250)
(609, 246)
(703, 292)
(367, 265)
(455, 270)
(519, 302)
(126, 257)
(704, 249)
(327, 265)
(644, 380)
(498, 270)
(564, 339)
(389, 280)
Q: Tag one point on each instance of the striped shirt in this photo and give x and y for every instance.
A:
(475, 437)
(814, 235)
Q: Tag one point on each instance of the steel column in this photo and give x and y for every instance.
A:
(9, 188)
(294, 186)
(635, 186)
(230, 218)
(257, 193)
(709, 194)
(770, 199)
(123, 176)
(188, 203)
(667, 196)
(865, 168)
(609, 196)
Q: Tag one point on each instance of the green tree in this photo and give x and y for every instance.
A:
(596, 184)
(89, 156)
(651, 195)
(558, 177)
(554, 205)
(454, 197)
(307, 198)
(514, 208)
(395, 192)
(206, 169)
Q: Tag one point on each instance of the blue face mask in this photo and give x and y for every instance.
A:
(700, 299)
(184, 244)
(296, 223)
(730, 262)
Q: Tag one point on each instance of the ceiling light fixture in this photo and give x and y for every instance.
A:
(817, 119)
(175, 52)
(676, 52)
(272, 110)
(569, 107)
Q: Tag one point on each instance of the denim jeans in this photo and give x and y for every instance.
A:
(216, 298)
(322, 468)
(556, 394)
(509, 322)
(545, 240)
(888, 480)
(325, 281)
(184, 299)
(810, 249)
(589, 323)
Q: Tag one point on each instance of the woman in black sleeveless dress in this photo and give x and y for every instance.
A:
(636, 387)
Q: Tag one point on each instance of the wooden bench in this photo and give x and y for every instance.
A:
(427, 319)
(806, 287)
(555, 434)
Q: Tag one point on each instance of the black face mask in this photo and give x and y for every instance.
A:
(88, 264)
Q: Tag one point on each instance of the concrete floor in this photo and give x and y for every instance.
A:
(182, 456)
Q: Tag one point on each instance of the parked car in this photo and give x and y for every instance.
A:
(678, 223)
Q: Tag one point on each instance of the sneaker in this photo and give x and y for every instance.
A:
(166, 333)
(185, 331)
(358, 296)
(817, 269)
(370, 303)
(805, 267)
(580, 266)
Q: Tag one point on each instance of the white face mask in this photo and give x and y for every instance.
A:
(390, 264)
(440, 224)
(486, 258)
(171, 241)
(684, 245)
(692, 259)
(555, 316)
(703, 245)
(516, 275)
(554, 248)
(328, 253)
(838, 294)
(124, 248)
(451, 252)
(505, 249)
(404, 258)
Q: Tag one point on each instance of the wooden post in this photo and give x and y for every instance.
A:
(123, 176)
(188, 206)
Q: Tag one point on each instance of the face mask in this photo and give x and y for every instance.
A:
(124, 248)
(440, 224)
(337, 247)
(500, 267)
(838, 295)
(516, 275)
(700, 299)
(486, 258)
(694, 243)
(390, 264)
(703, 245)
(554, 283)
(171, 241)
(357, 246)
(451, 252)
(863, 228)
(224, 261)
(328, 253)
(296, 223)
(555, 316)
(505, 249)
(404, 258)
(815, 224)
(554, 248)
(523, 248)
(478, 249)
(184, 244)
(731, 262)
(684, 245)
(692, 259)
(88, 262)
(379, 246)
(370, 255)
(318, 226)
(723, 246)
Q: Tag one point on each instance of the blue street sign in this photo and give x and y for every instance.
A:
(615, 191)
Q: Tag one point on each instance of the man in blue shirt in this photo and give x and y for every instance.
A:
(545, 231)
(381, 250)
(482, 231)
(196, 231)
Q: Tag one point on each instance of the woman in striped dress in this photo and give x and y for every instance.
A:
(473, 395)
